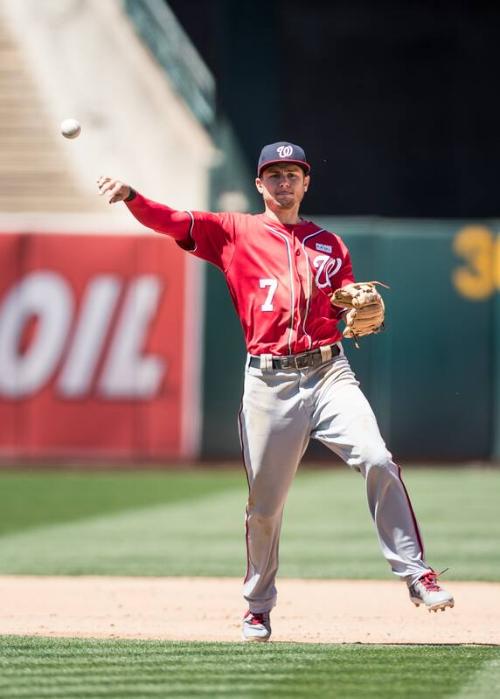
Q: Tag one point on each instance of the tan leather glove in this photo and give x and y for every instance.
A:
(365, 308)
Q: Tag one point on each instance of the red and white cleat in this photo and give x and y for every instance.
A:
(427, 591)
(256, 626)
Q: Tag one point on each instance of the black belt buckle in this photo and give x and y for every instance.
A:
(286, 362)
(302, 361)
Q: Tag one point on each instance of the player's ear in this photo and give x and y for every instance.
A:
(259, 185)
(307, 181)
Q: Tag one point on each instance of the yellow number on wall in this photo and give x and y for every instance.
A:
(478, 247)
(496, 264)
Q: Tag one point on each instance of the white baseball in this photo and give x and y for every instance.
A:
(70, 128)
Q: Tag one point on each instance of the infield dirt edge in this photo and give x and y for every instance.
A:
(210, 609)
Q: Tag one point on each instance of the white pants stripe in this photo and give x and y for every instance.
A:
(281, 411)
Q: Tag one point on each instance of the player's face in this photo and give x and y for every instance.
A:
(282, 186)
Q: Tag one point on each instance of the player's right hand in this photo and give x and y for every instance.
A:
(115, 190)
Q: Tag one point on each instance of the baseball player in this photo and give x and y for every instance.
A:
(291, 283)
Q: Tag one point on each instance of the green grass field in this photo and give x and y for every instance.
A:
(77, 668)
(191, 523)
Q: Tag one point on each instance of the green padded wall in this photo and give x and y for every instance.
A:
(433, 376)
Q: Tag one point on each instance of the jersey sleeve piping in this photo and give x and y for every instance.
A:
(189, 243)
(191, 229)
(208, 237)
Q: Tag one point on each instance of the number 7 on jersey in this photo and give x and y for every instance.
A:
(273, 285)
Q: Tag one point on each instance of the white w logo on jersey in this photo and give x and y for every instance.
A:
(327, 268)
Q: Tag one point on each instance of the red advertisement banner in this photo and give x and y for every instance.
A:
(93, 347)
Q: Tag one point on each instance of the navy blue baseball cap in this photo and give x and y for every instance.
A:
(282, 152)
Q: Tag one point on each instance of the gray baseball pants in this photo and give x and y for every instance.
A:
(281, 410)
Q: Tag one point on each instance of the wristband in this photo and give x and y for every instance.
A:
(132, 194)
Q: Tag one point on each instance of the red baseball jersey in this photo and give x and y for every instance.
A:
(279, 276)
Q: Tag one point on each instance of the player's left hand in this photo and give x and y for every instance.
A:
(365, 308)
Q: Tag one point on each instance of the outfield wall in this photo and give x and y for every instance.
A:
(102, 344)
(433, 377)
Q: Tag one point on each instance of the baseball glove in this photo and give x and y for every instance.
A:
(364, 308)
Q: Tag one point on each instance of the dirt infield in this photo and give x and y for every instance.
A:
(210, 609)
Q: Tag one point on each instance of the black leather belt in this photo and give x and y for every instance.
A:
(313, 358)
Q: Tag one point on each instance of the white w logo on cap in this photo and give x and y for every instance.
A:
(285, 151)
